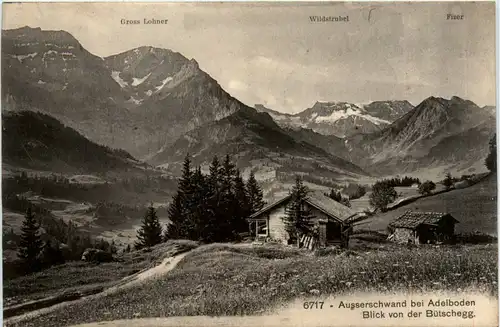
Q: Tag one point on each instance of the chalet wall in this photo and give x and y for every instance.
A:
(277, 230)
(277, 226)
(402, 235)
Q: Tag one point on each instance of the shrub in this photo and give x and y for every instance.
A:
(426, 188)
(382, 194)
(448, 181)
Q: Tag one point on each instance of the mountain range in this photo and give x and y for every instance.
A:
(438, 132)
(140, 100)
(159, 106)
(342, 118)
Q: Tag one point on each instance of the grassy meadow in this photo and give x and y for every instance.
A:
(79, 276)
(224, 279)
(475, 207)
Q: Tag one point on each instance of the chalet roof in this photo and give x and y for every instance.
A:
(318, 200)
(412, 220)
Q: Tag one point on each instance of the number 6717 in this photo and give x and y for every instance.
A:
(313, 304)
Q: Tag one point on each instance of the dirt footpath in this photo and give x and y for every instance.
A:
(167, 265)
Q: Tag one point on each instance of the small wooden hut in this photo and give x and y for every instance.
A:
(331, 218)
(423, 228)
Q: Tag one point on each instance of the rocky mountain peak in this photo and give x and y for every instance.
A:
(328, 108)
(194, 63)
(431, 102)
(275, 114)
(29, 38)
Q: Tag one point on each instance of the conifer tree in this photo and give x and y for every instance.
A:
(30, 244)
(197, 214)
(185, 186)
(334, 195)
(213, 198)
(150, 232)
(337, 196)
(181, 202)
(175, 214)
(112, 247)
(227, 209)
(255, 195)
(242, 203)
(298, 217)
(491, 159)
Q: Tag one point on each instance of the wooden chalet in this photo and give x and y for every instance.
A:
(423, 228)
(331, 218)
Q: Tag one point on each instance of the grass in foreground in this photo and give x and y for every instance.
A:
(231, 280)
(79, 276)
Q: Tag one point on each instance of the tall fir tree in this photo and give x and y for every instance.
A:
(150, 232)
(491, 159)
(213, 198)
(242, 203)
(30, 245)
(175, 214)
(185, 181)
(298, 216)
(181, 203)
(227, 209)
(255, 195)
(198, 209)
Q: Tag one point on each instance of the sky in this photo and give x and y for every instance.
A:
(272, 54)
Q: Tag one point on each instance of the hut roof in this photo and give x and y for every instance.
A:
(318, 200)
(412, 220)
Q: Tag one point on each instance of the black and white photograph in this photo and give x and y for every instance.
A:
(249, 164)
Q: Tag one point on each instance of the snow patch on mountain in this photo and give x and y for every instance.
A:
(116, 76)
(163, 83)
(27, 44)
(134, 100)
(349, 112)
(138, 81)
(20, 58)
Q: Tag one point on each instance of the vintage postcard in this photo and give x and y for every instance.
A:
(249, 164)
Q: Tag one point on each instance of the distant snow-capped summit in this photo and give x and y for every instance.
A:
(342, 118)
